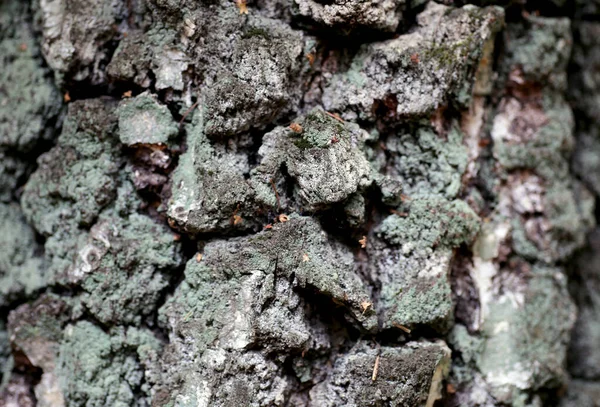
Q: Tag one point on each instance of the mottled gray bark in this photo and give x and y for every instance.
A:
(299, 203)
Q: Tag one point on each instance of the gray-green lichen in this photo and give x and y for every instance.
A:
(122, 267)
(410, 258)
(427, 163)
(22, 270)
(76, 179)
(262, 79)
(521, 324)
(431, 223)
(120, 259)
(538, 49)
(95, 368)
(142, 120)
(29, 100)
(81, 363)
(246, 293)
(378, 15)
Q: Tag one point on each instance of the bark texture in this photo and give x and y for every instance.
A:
(299, 203)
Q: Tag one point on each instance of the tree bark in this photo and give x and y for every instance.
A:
(299, 203)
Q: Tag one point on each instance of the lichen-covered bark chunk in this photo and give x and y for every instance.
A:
(324, 159)
(76, 36)
(410, 375)
(142, 120)
(261, 79)
(382, 15)
(416, 73)
(76, 179)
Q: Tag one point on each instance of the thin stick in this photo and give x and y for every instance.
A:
(188, 111)
(335, 116)
(376, 368)
(405, 329)
(276, 195)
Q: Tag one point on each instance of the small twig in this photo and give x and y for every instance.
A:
(276, 195)
(405, 329)
(188, 111)
(335, 116)
(376, 368)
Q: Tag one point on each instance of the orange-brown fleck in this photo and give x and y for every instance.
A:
(296, 128)
(363, 242)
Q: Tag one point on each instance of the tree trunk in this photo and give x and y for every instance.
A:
(299, 203)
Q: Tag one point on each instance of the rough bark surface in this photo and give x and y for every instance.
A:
(299, 203)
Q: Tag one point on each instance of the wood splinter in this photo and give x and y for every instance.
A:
(376, 368)
(402, 327)
(335, 116)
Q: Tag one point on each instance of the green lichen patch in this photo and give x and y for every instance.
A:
(260, 80)
(549, 222)
(21, 268)
(29, 101)
(415, 287)
(321, 130)
(534, 133)
(427, 164)
(410, 256)
(95, 368)
(539, 49)
(76, 179)
(526, 336)
(431, 223)
(122, 267)
(143, 120)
